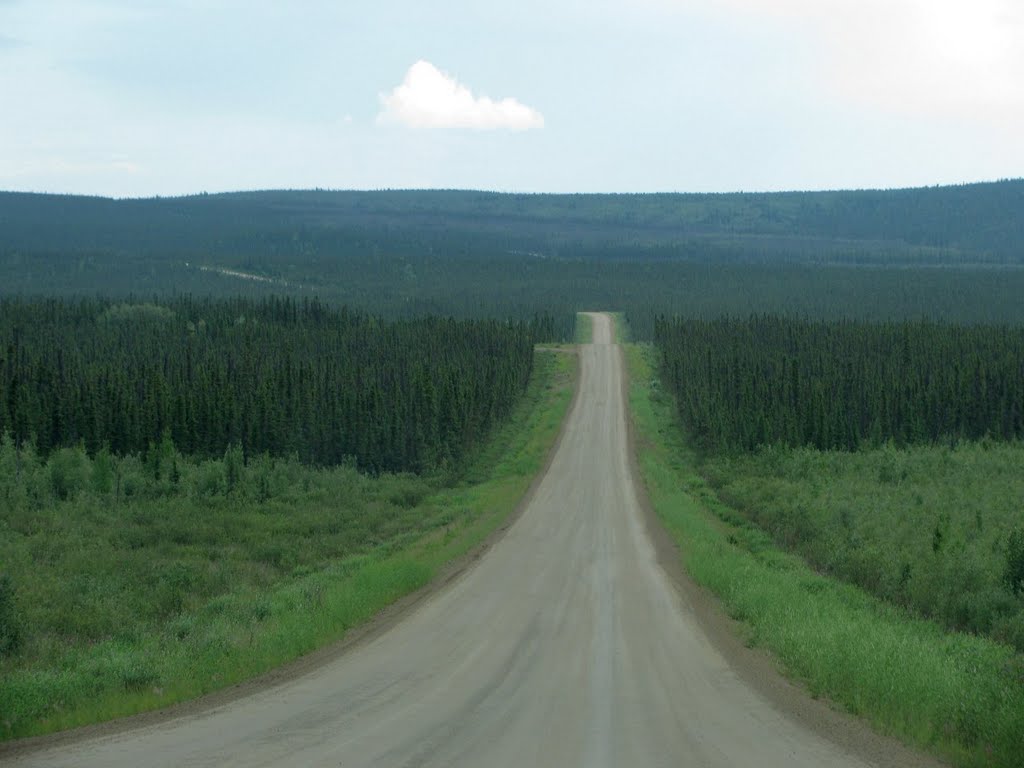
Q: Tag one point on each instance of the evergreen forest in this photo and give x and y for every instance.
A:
(770, 380)
(277, 376)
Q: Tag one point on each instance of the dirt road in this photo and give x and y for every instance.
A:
(565, 646)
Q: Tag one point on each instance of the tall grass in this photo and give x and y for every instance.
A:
(925, 527)
(584, 333)
(623, 332)
(129, 606)
(958, 695)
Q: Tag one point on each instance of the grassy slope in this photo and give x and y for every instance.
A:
(924, 527)
(958, 695)
(266, 621)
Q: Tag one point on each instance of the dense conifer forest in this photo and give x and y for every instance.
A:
(278, 376)
(765, 380)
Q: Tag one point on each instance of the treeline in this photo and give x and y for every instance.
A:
(278, 376)
(764, 380)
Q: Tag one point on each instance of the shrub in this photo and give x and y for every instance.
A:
(234, 464)
(1010, 630)
(11, 635)
(70, 472)
(174, 586)
(1014, 572)
(103, 472)
(208, 479)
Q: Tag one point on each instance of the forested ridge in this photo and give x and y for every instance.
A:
(949, 253)
(277, 376)
(973, 218)
(766, 380)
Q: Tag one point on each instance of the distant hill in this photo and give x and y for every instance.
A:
(975, 222)
(954, 253)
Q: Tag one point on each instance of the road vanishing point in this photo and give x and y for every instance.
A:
(567, 644)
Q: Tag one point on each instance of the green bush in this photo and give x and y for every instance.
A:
(70, 472)
(208, 480)
(1009, 629)
(10, 623)
(103, 472)
(1013, 576)
(234, 466)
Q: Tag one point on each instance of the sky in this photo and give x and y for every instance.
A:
(130, 98)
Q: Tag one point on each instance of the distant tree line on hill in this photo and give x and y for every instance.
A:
(520, 286)
(949, 253)
(986, 220)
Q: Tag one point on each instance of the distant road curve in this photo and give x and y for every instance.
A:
(567, 645)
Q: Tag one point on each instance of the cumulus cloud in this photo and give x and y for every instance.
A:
(430, 98)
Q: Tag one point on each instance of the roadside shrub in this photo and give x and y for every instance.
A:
(103, 472)
(132, 477)
(208, 479)
(11, 485)
(70, 472)
(409, 494)
(1010, 630)
(1013, 574)
(260, 485)
(24, 480)
(174, 586)
(11, 635)
(234, 465)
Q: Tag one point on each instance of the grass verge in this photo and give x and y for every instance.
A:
(584, 329)
(250, 629)
(621, 331)
(934, 528)
(958, 695)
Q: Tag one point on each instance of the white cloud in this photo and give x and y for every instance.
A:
(430, 98)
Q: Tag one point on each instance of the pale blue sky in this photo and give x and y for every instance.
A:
(139, 97)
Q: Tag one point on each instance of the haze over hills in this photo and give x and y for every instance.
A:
(471, 254)
(975, 222)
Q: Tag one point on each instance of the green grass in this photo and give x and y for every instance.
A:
(620, 328)
(584, 329)
(186, 587)
(925, 527)
(957, 695)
